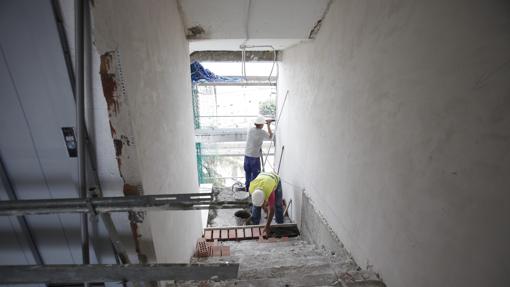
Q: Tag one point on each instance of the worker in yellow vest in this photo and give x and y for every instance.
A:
(266, 188)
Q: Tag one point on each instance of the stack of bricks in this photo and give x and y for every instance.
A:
(234, 233)
(206, 249)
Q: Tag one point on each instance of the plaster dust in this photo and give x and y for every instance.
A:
(406, 139)
(149, 38)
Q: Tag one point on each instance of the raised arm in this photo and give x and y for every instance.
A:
(268, 122)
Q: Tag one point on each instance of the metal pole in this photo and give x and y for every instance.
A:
(280, 161)
(80, 121)
(26, 274)
(99, 205)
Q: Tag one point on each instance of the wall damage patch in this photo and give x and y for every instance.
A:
(124, 143)
(195, 32)
(107, 72)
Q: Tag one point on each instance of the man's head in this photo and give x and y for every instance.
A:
(257, 198)
(259, 122)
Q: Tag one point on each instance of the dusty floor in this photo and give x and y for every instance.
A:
(288, 263)
(292, 262)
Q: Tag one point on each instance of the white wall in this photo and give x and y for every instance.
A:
(398, 125)
(154, 56)
(227, 24)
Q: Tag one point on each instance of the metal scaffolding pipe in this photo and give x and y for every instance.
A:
(80, 5)
(27, 274)
(187, 201)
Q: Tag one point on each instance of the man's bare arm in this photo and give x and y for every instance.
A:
(270, 216)
(269, 128)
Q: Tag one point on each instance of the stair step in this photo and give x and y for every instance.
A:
(360, 279)
(289, 263)
(289, 270)
(256, 247)
(280, 261)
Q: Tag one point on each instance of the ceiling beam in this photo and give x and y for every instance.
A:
(234, 56)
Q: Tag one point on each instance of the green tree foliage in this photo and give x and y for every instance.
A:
(268, 108)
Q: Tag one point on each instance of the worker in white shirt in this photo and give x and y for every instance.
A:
(256, 135)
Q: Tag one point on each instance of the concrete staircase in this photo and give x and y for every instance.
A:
(288, 263)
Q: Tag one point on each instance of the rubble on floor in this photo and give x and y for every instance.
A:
(290, 262)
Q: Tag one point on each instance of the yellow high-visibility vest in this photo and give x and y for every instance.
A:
(266, 181)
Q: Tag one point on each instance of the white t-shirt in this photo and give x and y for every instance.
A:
(254, 141)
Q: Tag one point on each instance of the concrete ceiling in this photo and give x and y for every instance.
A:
(226, 24)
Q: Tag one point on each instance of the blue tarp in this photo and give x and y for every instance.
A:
(201, 74)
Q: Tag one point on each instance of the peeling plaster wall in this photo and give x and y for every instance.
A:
(397, 125)
(149, 38)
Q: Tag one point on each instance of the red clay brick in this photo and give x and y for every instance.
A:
(208, 235)
(240, 233)
(225, 250)
(231, 234)
(256, 232)
(202, 249)
(224, 234)
(247, 233)
(216, 234)
(216, 250)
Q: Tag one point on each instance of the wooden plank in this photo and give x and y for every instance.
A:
(208, 235)
(256, 232)
(231, 234)
(240, 233)
(247, 233)
(284, 225)
(28, 274)
(216, 234)
(224, 234)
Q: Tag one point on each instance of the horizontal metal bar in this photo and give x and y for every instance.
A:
(237, 116)
(227, 155)
(241, 84)
(187, 201)
(26, 274)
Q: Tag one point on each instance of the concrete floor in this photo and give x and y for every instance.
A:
(288, 263)
(295, 262)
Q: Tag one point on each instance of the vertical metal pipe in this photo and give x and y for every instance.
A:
(80, 121)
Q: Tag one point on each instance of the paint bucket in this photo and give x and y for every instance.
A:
(242, 216)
